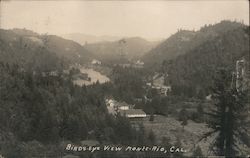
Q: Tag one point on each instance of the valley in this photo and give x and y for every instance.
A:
(127, 91)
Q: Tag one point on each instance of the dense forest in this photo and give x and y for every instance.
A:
(40, 105)
(50, 109)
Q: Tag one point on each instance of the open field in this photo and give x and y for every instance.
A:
(171, 128)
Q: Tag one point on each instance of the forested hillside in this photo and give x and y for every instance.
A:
(189, 59)
(24, 46)
(185, 41)
(39, 113)
(192, 73)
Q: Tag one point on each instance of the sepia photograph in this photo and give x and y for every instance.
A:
(124, 79)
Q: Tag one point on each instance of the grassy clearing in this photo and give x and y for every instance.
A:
(171, 128)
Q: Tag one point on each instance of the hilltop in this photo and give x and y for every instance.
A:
(184, 41)
(21, 46)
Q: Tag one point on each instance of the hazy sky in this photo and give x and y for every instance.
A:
(148, 19)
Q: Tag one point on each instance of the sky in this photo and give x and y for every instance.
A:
(148, 19)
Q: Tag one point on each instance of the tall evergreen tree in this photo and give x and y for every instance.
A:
(228, 119)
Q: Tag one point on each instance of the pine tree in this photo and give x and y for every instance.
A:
(228, 118)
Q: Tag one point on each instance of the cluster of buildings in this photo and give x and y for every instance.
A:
(158, 84)
(114, 107)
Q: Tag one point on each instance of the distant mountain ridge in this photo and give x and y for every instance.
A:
(86, 38)
(133, 47)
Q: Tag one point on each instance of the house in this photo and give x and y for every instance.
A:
(124, 109)
(117, 105)
(123, 106)
(96, 62)
(138, 64)
(159, 85)
(149, 84)
(133, 113)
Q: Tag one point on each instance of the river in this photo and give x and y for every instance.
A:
(94, 75)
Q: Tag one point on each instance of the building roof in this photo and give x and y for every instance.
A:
(132, 112)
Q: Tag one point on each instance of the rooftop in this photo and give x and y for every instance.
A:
(132, 112)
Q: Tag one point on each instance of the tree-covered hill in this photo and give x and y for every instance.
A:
(20, 50)
(185, 41)
(175, 45)
(24, 46)
(193, 72)
(67, 48)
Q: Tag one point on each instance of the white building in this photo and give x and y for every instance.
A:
(133, 113)
(96, 62)
(139, 64)
(123, 106)
(124, 109)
